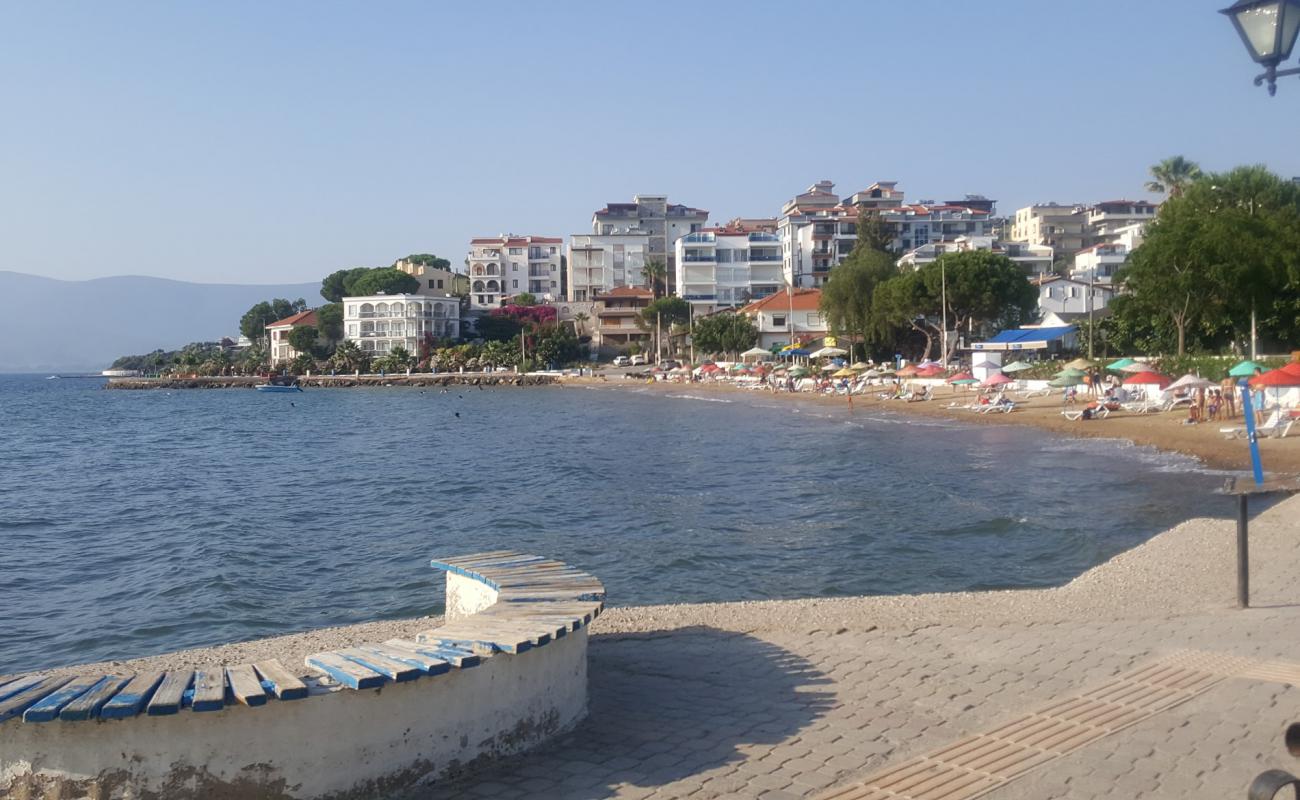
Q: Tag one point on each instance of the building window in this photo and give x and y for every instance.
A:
(814, 320)
(552, 284)
(514, 266)
(431, 283)
(516, 251)
(778, 321)
(514, 284)
(439, 283)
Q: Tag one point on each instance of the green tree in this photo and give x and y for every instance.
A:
(427, 260)
(253, 323)
(303, 339)
(556, 346)
(897, 305)
(524, 299)
(848, 294)
(255, 359)
(329, 320)
(1172, 176)
(499, 354)
(348, 357)
(873, 233)
(338, 285)
(727, 332)
(302, 364)
(656, 276)
(386, 280)
(667, 311)
(580, 322)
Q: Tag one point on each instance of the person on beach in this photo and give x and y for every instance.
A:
(1228, 390)
(1259, 399)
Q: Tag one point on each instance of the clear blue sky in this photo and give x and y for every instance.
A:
(271, 142)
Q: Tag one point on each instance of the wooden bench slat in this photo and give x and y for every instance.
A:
(429, 665)
(132, 697)
(49, 708)
(20, 684)
(16, 704)
(475, 638)
(168, 696)
(348, 673)
(209, 689)
(90, 703)
(245, 686)
(284, 684)
(457, 657)
(394, 670)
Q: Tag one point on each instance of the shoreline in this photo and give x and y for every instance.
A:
(1183, 571)
(1163, 431)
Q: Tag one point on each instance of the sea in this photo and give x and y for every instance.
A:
(138, 522)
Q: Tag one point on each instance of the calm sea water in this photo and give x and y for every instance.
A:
(140, 522)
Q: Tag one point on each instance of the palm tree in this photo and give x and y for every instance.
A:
(656, 272)
(347, 356)
(1173, 175)
(580, 322)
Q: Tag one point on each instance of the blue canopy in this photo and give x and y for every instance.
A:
(798, 351)
(1024, 338)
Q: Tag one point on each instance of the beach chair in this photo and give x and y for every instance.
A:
(1046, 391)
(1276, 427)
(1100, 411)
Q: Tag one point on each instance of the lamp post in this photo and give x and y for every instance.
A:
(1268, 29)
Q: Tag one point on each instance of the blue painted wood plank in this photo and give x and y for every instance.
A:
(16, 704)
(283, 684)
(394, 670)
(345, 672)
(457, 657)
(18, 685)
(49, 708)
(475, 640)
(169, 695)
(209, 688)
(429, 665)
(89, 705)
(126, 701)
(245, 686)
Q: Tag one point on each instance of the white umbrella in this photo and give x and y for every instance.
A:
(986, 364)
(1190, 381)
(829, 351)
(1138, 366)
(755, 352)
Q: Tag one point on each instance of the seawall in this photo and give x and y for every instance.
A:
(342, 381)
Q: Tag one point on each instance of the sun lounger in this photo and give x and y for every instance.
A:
(1100, 412)
(1276, 427)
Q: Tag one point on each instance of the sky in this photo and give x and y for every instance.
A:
(253, 142)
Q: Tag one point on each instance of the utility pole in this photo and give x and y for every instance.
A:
(691, 330)
(659, 335)
(943, 307)
(1254, 339)
(1092, 331)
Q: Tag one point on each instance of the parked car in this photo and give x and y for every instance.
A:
(637, 360)
(669, 363)
(620, 361)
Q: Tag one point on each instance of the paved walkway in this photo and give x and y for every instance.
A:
(701, 712)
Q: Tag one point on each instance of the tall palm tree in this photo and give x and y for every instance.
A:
(656, 273)
(1173, 175)
(580, 322)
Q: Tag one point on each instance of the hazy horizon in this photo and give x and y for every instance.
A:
(253, 143)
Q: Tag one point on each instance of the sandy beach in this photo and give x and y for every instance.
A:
(1165, 431)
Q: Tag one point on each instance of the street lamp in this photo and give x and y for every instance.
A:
(1268, 29)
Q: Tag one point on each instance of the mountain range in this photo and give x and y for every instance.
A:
(50, 325)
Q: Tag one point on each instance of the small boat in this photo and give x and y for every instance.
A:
(276, 387)
(53, 378)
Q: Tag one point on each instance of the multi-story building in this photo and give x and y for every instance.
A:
(1110, 218)
(787, 317)
(380, 322)
(1098, 264)
(598, 263)
(281, 351)
(651, 214)
(617, 312)
(435, 281)
(1064, 228)
(506, 265)
(720, 267)
(919, 224)
(1035, 259)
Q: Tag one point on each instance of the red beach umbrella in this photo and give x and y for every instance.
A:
(907, 372)
(964, 375)
(996, 379)
(929, 372)
(1277, 377)
(1147, 378)
(1292, 367)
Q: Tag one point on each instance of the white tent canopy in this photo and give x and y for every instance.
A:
(755, 352)
(829, 351)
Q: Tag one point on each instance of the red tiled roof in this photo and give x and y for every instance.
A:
(803, 300)
(307, 317)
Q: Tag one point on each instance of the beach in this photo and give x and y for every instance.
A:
(1165, 431)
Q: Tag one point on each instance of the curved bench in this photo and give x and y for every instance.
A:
(509, 669)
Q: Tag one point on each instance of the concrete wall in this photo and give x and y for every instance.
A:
(338, 743)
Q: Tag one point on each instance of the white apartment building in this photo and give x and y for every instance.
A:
(1110, 219)
(599, 263)
(1067, 298)
(507, 265)
(787, 317)
(1064, 228)
(721, 267)
(1035, 259)
(1098, 264)
(662, 222)
(380, 322)
(278, 332)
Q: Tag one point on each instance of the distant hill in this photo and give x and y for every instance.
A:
(49, 325)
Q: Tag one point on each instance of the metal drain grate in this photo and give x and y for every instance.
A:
(978, 764)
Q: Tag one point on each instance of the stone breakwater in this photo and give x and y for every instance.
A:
(341, 381)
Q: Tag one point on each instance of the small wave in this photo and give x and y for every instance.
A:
(698, 397)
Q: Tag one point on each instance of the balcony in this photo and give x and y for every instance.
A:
(699, 297)
(698, 258)
(698, 238)
(761, 257)
(536, 272)
(764, 237)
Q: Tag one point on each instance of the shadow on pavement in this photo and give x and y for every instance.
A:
(664, 706)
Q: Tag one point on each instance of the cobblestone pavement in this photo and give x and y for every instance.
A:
(704, 713)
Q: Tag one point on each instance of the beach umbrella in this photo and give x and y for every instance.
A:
(1071, 372)
(828, 351)
(829, 368)
(928, 364)
(1136, 367)
(984, 363)
(1277, 377)
(929, 372)
(1146, 378)
(1017, 366)
(1065, 381)
(906, 372)
(755, 352)
(844, 373)
(962, 376)
(1116, 366)
(859, 366)
(736, 367)
(1244, 369)
(1080, 363)
(996, 379)
(679, 371)
(964, 381)
(1190, 381)
(1292, 367)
